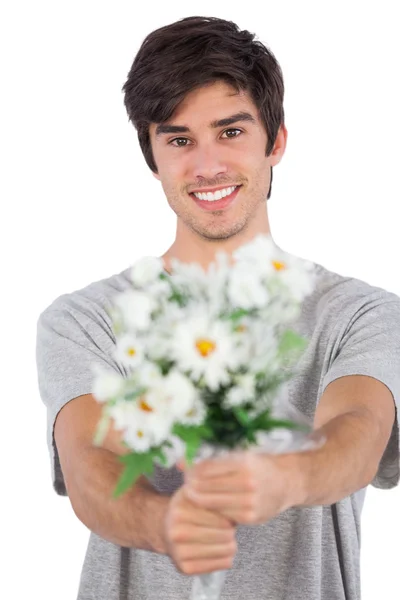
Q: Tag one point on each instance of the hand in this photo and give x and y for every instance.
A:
(198, 540)
(245, 487)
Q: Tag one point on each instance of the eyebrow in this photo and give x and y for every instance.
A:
(240, 116)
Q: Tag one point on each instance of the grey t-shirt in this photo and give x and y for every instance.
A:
(308, 553)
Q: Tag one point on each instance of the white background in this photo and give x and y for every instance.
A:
(80, 204)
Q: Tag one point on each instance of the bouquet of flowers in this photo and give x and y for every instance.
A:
(207, 354)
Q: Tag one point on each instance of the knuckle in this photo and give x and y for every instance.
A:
(233, 548)
(251, 502)
(175, 515)
(178, 535)
(229, 562)
(231, 536)
(181, 566)
(250, 483)
(248, 516)
(180, 556)
(188, 567)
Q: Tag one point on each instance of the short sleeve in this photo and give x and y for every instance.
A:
(371, 346)
(72, 335)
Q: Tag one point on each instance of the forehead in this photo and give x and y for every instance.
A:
(212, 106)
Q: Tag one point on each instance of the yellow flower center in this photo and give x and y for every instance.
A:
(205, 347)
(140, 434)
(144, 406)
(279, 266)
(131, 351)
(241, 328)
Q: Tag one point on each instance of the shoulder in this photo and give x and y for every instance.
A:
(94, 299)
(338, 297)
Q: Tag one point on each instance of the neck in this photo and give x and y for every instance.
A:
(189, 247)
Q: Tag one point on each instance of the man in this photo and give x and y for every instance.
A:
(207, 103)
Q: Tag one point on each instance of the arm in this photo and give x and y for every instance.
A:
(197, 540)
(135, 519)
(356, 414)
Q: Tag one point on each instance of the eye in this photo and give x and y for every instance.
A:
(182, 138)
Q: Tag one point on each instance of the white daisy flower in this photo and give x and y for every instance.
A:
(175, 453)
(193, 272)
(280, 311)
(263, 256)
(246, 289)
(157, 344)
(129, 350)
(149, 374)
(143, 424)
(124, 413)
(263, 347)
(196, 415)
(190, 279)
(181, 392)
(154, 412)
(206, 349)
(136, 308)
(146, 270)
(138, 438)
(160, 290)
(218, 274)
(107, 385)
(299, 276)
(160, 425)
(258, 254)
(242, 392)
(168, 400)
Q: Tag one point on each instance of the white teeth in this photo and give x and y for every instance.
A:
(212, 197)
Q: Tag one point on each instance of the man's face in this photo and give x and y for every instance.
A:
(208, 157)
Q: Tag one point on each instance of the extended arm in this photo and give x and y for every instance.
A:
(356, 414)
(135, 519)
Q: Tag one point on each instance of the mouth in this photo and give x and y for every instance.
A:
(210, 205)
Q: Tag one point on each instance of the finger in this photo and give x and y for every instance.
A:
(199, 551)
(204, 517)
(216, 502)
(214, 467)
(198, 567)
(233, 483)
(193, 534)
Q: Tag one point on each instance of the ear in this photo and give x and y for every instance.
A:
(156, 175)
(279, 146)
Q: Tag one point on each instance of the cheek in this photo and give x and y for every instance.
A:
(172, 177)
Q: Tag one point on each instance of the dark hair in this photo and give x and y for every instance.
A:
(192, 53)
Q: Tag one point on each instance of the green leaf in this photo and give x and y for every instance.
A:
(279, 423)
(265, 423)
(238, 314)
(135, 393)
(251, 437)
(136, 464)
(192, 447)
(192, 435)
(291, 341)
(158, 453)
(242, 416)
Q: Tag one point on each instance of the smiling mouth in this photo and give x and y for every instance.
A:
(211, 205)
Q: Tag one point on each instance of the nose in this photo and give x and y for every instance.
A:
(208, 163)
